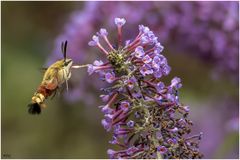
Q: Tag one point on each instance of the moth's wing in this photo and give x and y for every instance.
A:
(51, 78)
(43, 70)
(52, 84)
(54, 93)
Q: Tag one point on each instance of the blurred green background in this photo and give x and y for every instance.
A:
(64, 131)
(74, 130)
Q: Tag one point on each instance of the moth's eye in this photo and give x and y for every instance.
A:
(66, 63)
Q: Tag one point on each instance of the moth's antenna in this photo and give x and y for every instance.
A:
(64, 50)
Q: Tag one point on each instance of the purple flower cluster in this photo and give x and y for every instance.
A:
(145, 115)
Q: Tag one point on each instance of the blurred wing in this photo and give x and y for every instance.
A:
(50, 79)
(43, 69)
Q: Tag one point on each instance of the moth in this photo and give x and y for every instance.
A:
(54, 77)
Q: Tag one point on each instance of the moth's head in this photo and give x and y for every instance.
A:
(67, 63)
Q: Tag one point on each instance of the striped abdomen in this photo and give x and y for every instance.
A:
(37, 100)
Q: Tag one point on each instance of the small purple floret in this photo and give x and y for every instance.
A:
(110, 77)
(106, 125)
(160, 86)
(176, 82)
(103, 32)
(104, 98)
(130, 123)
(94, 42)
(156, 62)
(124, 105)
(147, 59)
(146, 70)
(139, 52)
(111, 153)
(186, 108)
(90, 69)
(120, 21)
(98, 63)
(158, 48)
(162, 149)
(131, 82)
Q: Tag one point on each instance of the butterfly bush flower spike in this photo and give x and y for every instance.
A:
(145, 115)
